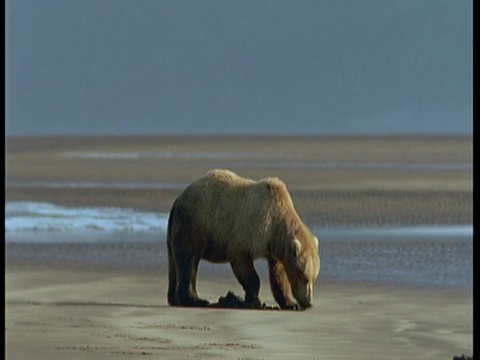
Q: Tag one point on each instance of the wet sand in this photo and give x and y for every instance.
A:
(56, 310)
(58, 313)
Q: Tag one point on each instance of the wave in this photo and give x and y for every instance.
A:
(29, 217)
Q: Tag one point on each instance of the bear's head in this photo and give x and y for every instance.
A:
(303, 271)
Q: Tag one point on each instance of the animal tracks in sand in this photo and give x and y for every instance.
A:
(157, 340)
(110, 349)
(168, 345)
(130, 338)
(223, 346)
(154, 345)
(154, 325)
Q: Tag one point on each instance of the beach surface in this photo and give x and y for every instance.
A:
(60, 313)
(64, 303)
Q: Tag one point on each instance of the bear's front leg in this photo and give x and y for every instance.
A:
(280, 285)
(247, 276)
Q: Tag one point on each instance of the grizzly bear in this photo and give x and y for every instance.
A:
(223, 217)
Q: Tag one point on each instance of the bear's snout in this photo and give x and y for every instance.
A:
(304, 295)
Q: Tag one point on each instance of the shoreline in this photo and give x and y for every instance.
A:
(408, 257)
(211, 273)
(217, 273)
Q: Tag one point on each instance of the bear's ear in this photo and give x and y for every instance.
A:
(315, 240)
(297, 247)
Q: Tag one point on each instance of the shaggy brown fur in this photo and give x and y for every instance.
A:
(222, 217)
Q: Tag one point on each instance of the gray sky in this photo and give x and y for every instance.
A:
(300, 67)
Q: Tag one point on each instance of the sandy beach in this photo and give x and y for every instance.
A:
(58, 310)
(76, 313)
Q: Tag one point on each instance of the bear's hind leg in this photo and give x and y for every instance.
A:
(247, 276)
(172, 278)
(280, 285)
(187, 267)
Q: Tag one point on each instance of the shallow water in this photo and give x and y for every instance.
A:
(427, 256)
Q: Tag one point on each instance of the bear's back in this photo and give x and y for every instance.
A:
(223, 190)
(216, 185)
(235, 210)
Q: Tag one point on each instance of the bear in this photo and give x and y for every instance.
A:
(222, 217)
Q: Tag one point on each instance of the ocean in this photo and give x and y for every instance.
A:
(427, 256)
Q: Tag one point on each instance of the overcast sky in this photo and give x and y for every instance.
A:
(301, 67)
